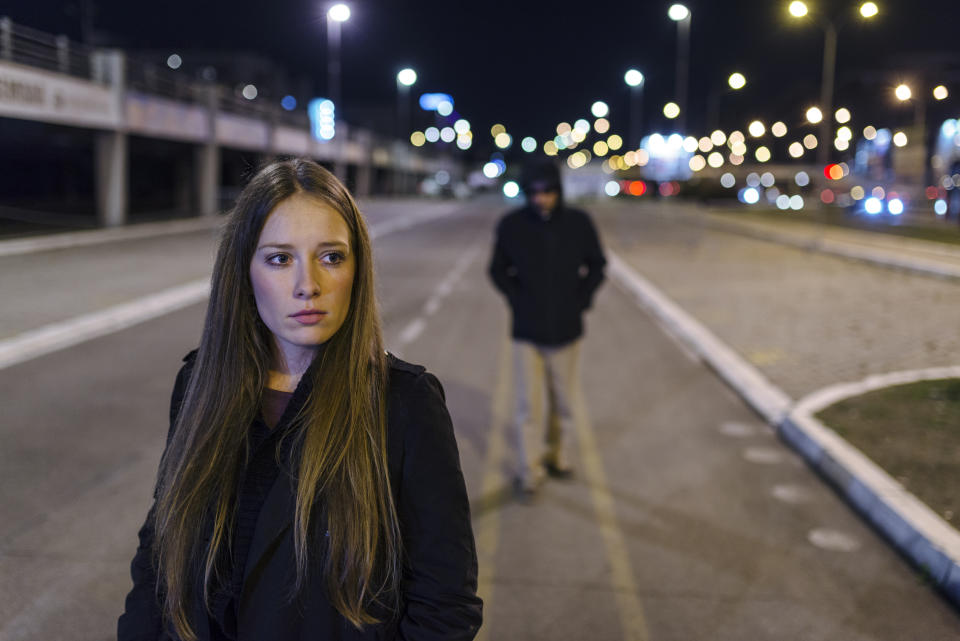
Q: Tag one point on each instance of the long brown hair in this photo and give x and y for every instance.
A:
(339, 435)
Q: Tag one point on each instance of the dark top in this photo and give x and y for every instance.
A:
(260, 475)
(438, 585)
(548, 268)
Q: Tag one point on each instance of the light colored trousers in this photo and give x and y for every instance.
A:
(544, 373)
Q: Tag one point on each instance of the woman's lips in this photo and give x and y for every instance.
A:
(311, 317)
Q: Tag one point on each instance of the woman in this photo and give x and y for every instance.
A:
(311, 485)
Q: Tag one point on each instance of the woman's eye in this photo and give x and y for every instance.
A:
(332, 258)
(278, 259)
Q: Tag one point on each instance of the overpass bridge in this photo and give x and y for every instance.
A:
(49, 79)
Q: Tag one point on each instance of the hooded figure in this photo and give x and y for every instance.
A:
(548, 263)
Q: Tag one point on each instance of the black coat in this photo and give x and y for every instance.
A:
(440, 570)
(549, 270)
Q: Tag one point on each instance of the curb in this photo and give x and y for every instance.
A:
(845, 249)
(931, 543)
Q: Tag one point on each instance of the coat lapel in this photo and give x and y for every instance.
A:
(274, 520)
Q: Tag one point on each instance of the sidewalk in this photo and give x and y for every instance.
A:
(787, 329)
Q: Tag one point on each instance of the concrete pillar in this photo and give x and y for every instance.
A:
(365, 168)
(207, 161)
(112, 178)
(111, 153)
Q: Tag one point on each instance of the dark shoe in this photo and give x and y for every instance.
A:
(556, 472)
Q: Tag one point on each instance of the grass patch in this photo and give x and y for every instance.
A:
(942, 231)
(911, 431)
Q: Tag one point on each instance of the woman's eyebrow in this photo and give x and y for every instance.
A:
(324, 245)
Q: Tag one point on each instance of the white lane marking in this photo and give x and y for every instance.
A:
(833, 540)
(792, 494)
(56, 336)
(415, 327)
(737, 429)
(412, 331)
(763, 455)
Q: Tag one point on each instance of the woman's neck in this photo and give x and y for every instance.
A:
(288, 369)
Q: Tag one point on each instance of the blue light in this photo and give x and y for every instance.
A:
(940, 207)
(873, 205)
(430, 101)
(895, 206)
(289, 103)
(322, 120)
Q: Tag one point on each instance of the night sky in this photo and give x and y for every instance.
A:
(531, 64)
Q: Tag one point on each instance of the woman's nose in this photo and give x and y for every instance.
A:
(308, 282)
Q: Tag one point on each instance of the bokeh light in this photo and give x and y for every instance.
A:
(678, 12)
(902, 92)
(762, 154)
(432, 134)
(697, 162)
(249, 92)
(718, 138)
(511, 189)
(444, 107)
(728, 180)
(599, 109)
(814, 115)
(869, 9)
(715, 160)
(503, 140)
(600, 148)
(339, 12)
(842, 115)
(633, 77)
(705, 144)
(614, 142)
(798, 9)
(940, 92)
(550, 148)
(778, 129)
(689, 144)
(810, 141)
(601, 125)
(737, 80)
(869, 132)
(417, 139)
(612, 188)
(795, 150)
(461, 126)
(174, 61)
(802, 178)
(498, 129)
(671, 110)
(756, 129)
(900, 139)
(528, 144)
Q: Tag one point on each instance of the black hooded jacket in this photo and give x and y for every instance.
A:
(548, 268)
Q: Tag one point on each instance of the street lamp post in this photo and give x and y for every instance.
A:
(799, 9)
(634, 80)
(336, 15)
(735, 82)
(682, 16)
(405, 79)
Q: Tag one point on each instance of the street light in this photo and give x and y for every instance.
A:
(634, 80)
(737, 80)
(799, 9)
(405, 79)
(682, 16)
(336, 14)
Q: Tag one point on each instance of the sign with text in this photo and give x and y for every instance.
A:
(34, 94)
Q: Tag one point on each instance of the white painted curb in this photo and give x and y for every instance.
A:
(913, 528)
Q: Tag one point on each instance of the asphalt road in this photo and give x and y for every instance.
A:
(687, 519)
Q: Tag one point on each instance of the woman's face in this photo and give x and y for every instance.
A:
(302, 275)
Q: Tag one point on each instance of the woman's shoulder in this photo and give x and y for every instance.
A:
(412, 389)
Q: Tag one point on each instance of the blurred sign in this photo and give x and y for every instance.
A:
(51, 97)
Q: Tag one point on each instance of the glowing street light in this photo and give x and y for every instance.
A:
(798, 9)
(339, 12)
(814, 115)
(599, 109)
(678, 12)
(903, 93)
(406, 77)
(671, 110)
(869, 9)
(737, 81)
(940, 92)
(633, 78)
